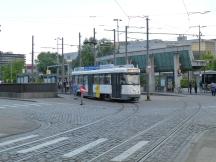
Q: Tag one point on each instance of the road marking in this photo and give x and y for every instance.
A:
(130, 151)
(55, 135)
(17, 140)
(42, 145)
(84, 148)
(131, 138)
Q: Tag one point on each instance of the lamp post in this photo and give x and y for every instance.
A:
(32, 61)
(57, 57)
(117, 23)
(147, 55)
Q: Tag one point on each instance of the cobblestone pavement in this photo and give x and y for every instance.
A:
(60, 129)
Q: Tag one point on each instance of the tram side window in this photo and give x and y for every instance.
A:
(85, 79)
(76, 79)
(107, 79)
(101, 78)
(123, 78)
(80, 80)
(96, 79)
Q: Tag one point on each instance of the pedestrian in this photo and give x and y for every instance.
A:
(64, 85)
(190, 87)
(75, 87)
(213, 88)
(200, 86)
(82, 91)
(195, 87)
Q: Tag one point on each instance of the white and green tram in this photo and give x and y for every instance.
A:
(109, 81)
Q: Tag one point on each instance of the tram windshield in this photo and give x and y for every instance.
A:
(130, 79)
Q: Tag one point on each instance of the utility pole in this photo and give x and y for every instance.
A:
(117, 20)
(94, 43)
(62, 79)
(126, 43)
(114, 44)
(57, 57)
(32, 63)
(79, 50)
(199, 40)
(147, 59)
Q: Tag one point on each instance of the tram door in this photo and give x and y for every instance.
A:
(116, 86)
(90, 85)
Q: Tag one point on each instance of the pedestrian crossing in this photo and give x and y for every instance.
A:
(84, 148)
(17, 140)
(75, 151)
(130, 151)
(42, 145)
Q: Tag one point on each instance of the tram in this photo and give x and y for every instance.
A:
(108, 81)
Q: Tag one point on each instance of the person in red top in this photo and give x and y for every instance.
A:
(82, 91)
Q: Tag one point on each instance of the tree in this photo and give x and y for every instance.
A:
(45, 59)
(11, 70)
(87, 55)
(105, 47)
(211, 60)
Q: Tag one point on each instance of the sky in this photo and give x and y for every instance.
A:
(49, 19)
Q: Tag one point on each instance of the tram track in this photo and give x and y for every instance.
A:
(123, 107)
(67, 131)
(169, 135)
(129, 106)
(135, 109)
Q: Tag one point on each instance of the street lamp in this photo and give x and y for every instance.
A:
(57, 59)
(117, 23)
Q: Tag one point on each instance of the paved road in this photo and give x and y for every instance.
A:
(168, 128)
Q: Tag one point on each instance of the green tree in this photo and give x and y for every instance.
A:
(211, 60)
(87, 53)
(105, 47)
(11, 70)
(45, 59)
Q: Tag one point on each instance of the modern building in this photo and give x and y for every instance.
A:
(7, 57)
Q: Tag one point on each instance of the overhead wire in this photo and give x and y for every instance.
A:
(123, 11)
(184, 4)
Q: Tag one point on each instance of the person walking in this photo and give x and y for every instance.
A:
(195, 87)
(82, 91)
(213, 88)
(190, 87)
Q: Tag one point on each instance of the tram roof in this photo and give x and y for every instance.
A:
(119, 69)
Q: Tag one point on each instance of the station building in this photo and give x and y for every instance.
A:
(167, 59)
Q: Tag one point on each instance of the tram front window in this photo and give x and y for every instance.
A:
(130, 79)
